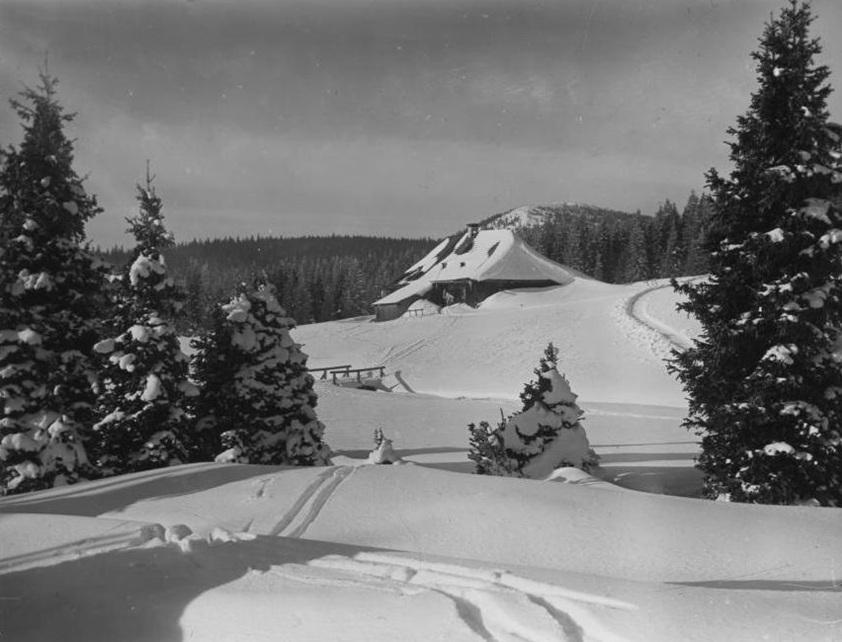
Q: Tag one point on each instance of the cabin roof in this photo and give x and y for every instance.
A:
(487, 255)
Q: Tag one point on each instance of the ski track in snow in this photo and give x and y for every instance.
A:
(397, 354)
(637, 310)
(496, 605)
(76, 550)
(307, 507)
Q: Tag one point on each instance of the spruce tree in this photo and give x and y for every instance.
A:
(50, 301)
(143, 421)
(764, 378)
(257, 402)
(633, 255)
(544, 435)
(667, 224)
(694, 221)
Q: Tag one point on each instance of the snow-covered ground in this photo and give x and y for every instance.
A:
(489, 352)
(422, 550)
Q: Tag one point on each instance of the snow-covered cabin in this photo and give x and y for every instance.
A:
(470, 268)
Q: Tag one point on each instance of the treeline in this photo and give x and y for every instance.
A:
(317, 278)
(321, 278)
(619, 247)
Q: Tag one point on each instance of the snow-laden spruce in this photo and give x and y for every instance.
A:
(257, 403)
(142, 407)
(543, 436)
(765, 378)
(51, 299)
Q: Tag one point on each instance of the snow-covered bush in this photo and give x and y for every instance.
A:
(543, 436)
(51, 299)
(142, 408)
(256, 401)
(384, 452)
(764, 379)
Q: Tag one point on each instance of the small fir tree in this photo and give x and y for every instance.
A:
(257, 402)
(143, 403)
(764, 378)
(543, 436)
(51, 297)
(487, 451)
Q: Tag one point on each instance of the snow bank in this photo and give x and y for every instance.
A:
(489, 351)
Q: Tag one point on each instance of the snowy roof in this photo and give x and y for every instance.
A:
(490, 255)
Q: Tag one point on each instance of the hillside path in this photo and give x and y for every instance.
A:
(637, 309)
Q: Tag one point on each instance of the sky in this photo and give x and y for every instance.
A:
(390, 117)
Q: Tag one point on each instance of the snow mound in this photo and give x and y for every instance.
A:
(218, 552)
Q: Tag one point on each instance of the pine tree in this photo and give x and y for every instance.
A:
(214, 363)
(633, 256)
(50, 301)
(257, 402)
(764, 379)
(668, 222)
(694, 221)
(544, 435)
(488, 452)
(143, 421)
(533, 391)
(194, 301)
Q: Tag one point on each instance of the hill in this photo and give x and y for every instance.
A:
(538, 215)
(418, 551)
(615, 246)
(320, 278)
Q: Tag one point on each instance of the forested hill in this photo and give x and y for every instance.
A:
(318, 277)
(531, 215)
(617, 247)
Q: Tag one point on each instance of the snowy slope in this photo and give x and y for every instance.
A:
(491, 351)
(302, 553)
(421, 550)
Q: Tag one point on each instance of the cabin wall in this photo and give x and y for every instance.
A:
(390, 311)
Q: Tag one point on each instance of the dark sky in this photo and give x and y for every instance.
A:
(393, 117)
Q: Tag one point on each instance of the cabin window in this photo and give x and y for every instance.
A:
(492, 248)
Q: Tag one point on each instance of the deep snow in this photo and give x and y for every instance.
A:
(491, 351)
(420, 550)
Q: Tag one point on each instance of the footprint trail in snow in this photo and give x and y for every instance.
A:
(495, 605)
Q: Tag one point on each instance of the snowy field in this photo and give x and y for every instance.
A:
(424, 550)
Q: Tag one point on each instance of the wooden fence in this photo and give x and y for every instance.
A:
(328, 369)
(345, 372)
